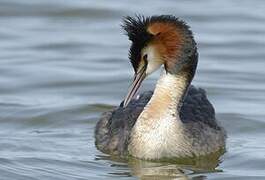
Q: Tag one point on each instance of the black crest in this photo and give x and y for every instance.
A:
(136, 29)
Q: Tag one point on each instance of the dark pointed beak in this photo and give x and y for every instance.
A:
(137, 81)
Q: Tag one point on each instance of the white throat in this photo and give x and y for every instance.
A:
(159, 126)
(168, 95)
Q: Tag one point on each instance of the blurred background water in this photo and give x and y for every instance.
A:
(63, 63)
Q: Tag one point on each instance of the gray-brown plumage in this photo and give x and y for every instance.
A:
(174, 121)
(114, 127)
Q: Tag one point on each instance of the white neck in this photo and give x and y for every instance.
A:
(158, 128)
(167, 97)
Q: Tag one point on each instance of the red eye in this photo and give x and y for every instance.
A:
(145, 57)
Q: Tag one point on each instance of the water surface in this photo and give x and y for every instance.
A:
(63, 63)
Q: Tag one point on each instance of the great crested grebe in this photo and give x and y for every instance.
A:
(174, 121)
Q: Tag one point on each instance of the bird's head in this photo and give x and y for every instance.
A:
(156, 41)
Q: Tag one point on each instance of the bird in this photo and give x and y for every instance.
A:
(176, 120)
